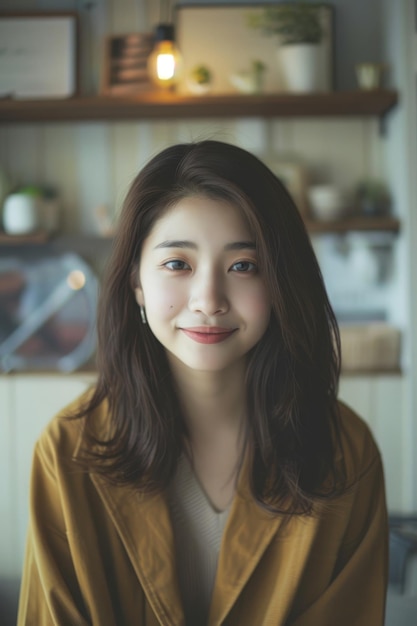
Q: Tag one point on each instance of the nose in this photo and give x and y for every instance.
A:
(208, 294)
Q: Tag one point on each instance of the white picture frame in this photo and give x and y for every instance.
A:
(38, 56)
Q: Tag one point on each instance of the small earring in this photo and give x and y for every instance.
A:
(143, 314)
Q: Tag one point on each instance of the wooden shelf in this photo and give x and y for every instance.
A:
(84, 243)
(34, 239)
(371, 372)
(163, 105)
(359, 224)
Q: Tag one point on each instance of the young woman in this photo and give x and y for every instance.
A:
(211, 476)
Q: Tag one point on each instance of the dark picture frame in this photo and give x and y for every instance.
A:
(125, 64)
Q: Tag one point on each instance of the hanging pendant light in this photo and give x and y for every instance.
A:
(165, 61)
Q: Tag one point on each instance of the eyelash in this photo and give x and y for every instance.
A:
(176, 269)
(250, 270)
(185, 266)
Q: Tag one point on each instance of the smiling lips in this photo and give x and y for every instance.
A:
(208, 334)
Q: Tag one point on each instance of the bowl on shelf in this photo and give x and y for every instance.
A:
(327, 202)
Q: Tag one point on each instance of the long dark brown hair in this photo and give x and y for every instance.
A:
(292, 373)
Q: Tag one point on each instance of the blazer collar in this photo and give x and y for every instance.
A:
(248, 533)
(144, 526)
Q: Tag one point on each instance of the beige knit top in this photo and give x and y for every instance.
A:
(198, 530)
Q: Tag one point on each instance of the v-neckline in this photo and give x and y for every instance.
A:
(185, 468)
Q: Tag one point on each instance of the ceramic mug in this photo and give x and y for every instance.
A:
(21, 214)
(369, 75)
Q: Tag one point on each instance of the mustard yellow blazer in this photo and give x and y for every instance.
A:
(104, 555)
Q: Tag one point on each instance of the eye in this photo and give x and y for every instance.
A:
(176, 265)
(244, 267)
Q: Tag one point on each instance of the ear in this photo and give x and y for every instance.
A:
(139, 296)
(136, 286)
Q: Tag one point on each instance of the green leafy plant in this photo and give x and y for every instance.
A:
(373, 197)
(258, 66)
(201, 75)
(297, 22)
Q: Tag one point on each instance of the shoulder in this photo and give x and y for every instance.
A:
(357, 449)
(63, 436)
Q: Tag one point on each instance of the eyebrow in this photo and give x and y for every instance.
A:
(235, 245)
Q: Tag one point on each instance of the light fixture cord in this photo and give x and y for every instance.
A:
(164, 12)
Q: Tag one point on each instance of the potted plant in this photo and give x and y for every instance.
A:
(373, 198)
(250, 81)
(200, 79)
(298, 27)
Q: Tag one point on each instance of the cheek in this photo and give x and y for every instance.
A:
(161, 300)
(257, 302)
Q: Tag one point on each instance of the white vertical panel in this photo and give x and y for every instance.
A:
(4, 140)
(334, 149)
(373, 139)
(151, 11)
(282, 138)
(59, 167)
(94, 27)
(124, 160)
(390, 428)
(37, 398)
(144, 141)
(253, 134)
(25, 151)
(125, 16)
(356, 391)
(94, 172)
(186, 131)
(380, 400)
(8, 503)
(203, 129)
(163, 135)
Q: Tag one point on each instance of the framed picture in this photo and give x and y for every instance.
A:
(125, 64)
(237, 46)
(294, 176)
(38, 55)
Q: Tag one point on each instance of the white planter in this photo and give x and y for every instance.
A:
(300, 67)
(20, 214)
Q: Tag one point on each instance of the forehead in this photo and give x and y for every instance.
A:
(202, 215)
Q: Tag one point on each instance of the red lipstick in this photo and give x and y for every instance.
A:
(208, 334)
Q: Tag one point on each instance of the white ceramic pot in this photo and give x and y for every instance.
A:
(300, 66)
(327, 202)
(21, 214)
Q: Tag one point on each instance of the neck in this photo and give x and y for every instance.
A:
(212, 402)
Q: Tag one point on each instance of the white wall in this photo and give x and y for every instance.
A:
(93, 164)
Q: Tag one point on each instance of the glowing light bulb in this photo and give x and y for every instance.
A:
(165, 66)
(165, 61)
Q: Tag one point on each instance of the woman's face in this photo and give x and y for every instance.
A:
(205, 299)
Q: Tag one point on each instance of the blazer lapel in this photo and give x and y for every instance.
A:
(143, 524)
(248, 533)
